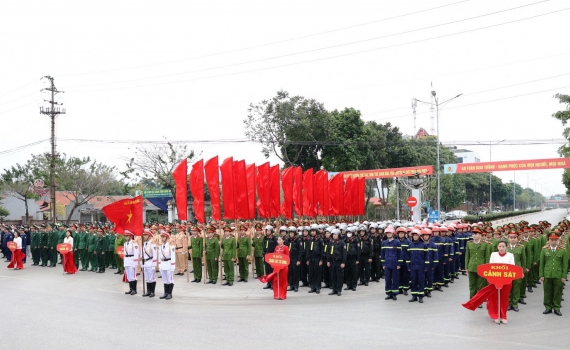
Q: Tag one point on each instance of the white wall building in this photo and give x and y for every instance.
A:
(466, 156)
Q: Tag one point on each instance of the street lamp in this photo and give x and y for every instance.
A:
(491, 174)
(437, 104)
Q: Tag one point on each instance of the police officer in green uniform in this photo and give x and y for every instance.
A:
(519, 251)
(82, 247)
(110, 253)
(36, 250)
(75, 235)
(212, 255)
(228, 255)
(119, 242)
(244, 253)
(257, 244)
(60, 237)
(553, 269)
(53, 242)
(529, 249)
(476, 253)
(100, 249)
(196, 251)
(92, 242)
(44, 244)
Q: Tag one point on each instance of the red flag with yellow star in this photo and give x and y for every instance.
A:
(126, 214)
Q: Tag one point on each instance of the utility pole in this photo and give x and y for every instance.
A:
(53, 112)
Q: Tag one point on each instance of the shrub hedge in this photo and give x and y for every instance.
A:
(495, 216)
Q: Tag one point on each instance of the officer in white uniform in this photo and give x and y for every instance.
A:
(131, 260)
(167, 264)
(149, 259)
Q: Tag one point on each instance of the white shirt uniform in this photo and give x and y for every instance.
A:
(167, 262)
(131, 259)
(149, 259)
(18, 241)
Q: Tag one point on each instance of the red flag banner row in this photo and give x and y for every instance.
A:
(246, 188)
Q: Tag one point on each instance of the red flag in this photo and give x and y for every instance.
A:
(298, 190)
(319, 191)
(348, 197)
(250, 178)
(240, 191)
(354, 196)
(334, 192)
(287, 185)
(197, 189)
(263, 190)
(179, 175)
(308, 193)
(213, 180)
(126, 214)
(275, 190)
(341, 194)
(227, 170)
(326, 194)
(361, 196)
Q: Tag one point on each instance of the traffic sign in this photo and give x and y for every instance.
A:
(425, 204)
(412, 202)
(433, 216)
(155, 193)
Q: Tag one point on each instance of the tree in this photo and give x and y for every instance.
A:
(79, 179)
(290, 128)
(564, 151)
(350, 142)
(3, 213)
(154, 165)
(17, 181)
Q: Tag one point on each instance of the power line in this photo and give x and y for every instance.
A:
(330, 57)
(309, 51)
(269, 44)
(24, 105)
(478, 103)
(19, 148)
(21, 87)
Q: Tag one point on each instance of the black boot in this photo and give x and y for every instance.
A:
(414, 298)
(529, 289)
(428, 294)
(152, 286)
(130, 288)
(405, 292)
(170, 288)
(421, 300)
(388, 297)
(148, 288)
(134, 291)
(165, 291)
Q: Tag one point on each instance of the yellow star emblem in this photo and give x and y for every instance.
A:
(129, 216)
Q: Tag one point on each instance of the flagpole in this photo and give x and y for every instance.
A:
(142, 248)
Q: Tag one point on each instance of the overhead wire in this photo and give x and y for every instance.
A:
(268, 44)
(308, 51)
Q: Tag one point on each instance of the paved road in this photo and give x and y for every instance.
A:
(40, 307)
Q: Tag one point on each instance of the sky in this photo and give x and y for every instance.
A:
(188, 70)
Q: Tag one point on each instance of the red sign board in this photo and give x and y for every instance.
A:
(412, 202)
(121, 252)
(389, 173)
(12, 246)
(277, 261)
(512, 165)
(64, 248)
(500, 274)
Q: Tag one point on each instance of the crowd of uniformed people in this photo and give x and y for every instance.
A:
(414, 259)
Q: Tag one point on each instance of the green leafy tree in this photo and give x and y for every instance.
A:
(3, 213)
(79, 179)
(17, 182)
(291, 128)
(564, 115)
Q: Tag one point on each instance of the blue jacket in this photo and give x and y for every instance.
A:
(433, 254)
(405, 244)
(391, 253)
(440, 246)
(418, 257)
